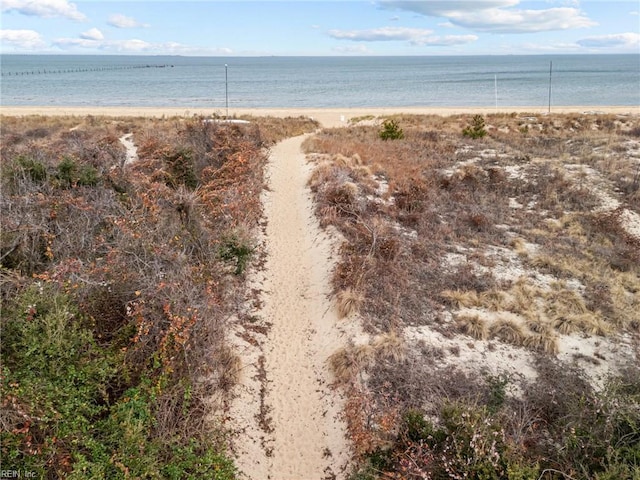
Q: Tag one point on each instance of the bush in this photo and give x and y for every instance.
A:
(476, 129)
(181, 168)
(60, 417)
(34, 169)
(391, 131)
(70, 174)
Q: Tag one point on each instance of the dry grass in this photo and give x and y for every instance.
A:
(508, 331)
(460, 299)
(389, 346)
(349, 361)
(544, 341)
(349, 302)
(473, 325)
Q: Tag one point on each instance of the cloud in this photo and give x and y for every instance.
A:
(135, 45)
(628, 39)
(122, 21)
(381, 34)
(496, 16)
(634, 13)
(353, 49)
(44, 8)
(92, 34)
(23, 39)
(415, 36)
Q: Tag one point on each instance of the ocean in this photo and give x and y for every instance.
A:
(314, 82)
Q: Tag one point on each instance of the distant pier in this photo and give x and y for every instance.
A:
(45, 71)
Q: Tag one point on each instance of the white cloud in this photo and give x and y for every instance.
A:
(44, 8)
(122, 21)
(496, 16)
(23, 39)
(381, 34)
(628, 39)
(522, 21)
(448, 40)
(442, 8)
(415, 36)
(634, 13)
(92, 34)
(352, 49)
(135, 45)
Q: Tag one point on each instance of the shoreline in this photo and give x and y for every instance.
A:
(328, 117)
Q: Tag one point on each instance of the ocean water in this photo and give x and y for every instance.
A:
(310, 82)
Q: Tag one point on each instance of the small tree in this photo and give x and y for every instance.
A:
(391, 130)
(476, 129)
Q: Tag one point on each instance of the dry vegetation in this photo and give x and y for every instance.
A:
(117, 284)
(508, 268)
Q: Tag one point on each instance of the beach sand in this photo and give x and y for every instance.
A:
(328, 117)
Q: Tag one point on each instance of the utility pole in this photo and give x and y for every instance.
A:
(550, 68)
(226, 88)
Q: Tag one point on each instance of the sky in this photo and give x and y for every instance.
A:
(330, 27)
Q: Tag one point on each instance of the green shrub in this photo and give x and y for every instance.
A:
(70, 174)
(476, 129)
(417, 429)
(391, 131)
(34, 169)
(236, 250)
(61, 419)
(53, 370)
(181, 169)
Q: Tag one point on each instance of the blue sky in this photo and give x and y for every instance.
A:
(333, 27)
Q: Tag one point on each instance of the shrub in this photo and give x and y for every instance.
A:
(236, 250)
(181, 169)
(391, 131)
(70, 174)
(34, 169)
(476, 129)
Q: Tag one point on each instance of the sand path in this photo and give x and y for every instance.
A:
(293, 428)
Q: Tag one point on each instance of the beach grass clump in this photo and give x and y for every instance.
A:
(545, 341)
(347, 362)
(473, 325)
(461, 298)
(349, 302)
(494, 300)
(508, 331)
(389, 346)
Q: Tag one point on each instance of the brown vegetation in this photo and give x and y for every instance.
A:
(527, 235)
(150, 257)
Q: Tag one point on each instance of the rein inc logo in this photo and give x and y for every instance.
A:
(17, 474)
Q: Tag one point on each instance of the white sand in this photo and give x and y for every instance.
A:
(306, 437)
(328, 117)
(130, 147)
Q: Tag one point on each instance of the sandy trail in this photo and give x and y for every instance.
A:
(293, 428)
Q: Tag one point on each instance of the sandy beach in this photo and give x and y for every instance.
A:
(328, 117)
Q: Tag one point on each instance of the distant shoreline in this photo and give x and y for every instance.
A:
(328, 117)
